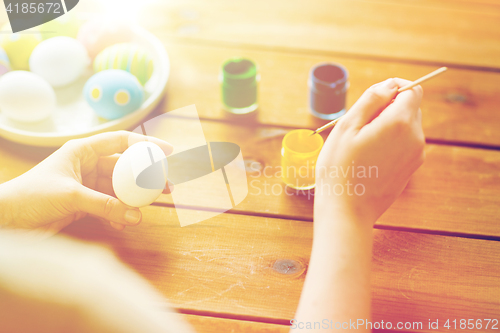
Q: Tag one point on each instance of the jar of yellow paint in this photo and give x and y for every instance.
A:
(299, 153)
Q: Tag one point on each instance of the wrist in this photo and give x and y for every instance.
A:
(343, 208)
(342, 234)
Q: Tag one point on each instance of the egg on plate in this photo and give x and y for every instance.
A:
(113, 93)
(26, 97)
(96, 35)
(19, 47)
(59, 60)
(127, 56)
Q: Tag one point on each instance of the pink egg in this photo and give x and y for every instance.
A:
(99, 34)
(4, 69)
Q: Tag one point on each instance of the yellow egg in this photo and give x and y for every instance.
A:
(19, 46)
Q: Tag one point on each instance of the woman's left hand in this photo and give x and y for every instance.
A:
(69, 184)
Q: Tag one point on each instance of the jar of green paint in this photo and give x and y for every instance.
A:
(239, 79)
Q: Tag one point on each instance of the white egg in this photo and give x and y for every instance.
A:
(26, 97)
(59, 60)
(129, 166)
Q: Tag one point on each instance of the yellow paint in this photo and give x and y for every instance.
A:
(129, 57)
(122, 97)
(95, 93)
(299, 153)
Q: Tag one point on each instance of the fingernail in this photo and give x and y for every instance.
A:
(133, 216)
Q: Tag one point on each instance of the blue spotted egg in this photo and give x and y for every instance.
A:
(4, 62)
(113, 93)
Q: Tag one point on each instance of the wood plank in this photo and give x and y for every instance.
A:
(456, 33)
(225, 266)
(481, 6)
(16, 159)
(459, 106)
(456, 191)
(203, 324)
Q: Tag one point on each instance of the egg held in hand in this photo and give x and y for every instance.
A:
(113, 93)
(130, 57)
(26, 97)
(59, 60)
(130, 165)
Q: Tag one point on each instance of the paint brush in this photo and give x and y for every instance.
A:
(407, 87)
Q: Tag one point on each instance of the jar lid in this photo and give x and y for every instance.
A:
(239, 71)
(301, 144)
(328, 77)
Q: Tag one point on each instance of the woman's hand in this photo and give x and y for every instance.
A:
(69, 184)
(370, 155)
(384, 143)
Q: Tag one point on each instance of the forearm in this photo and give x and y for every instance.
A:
(16, 199)
(5, 206)
(337, 286)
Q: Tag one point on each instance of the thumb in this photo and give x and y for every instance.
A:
(373, 101)
(107, 207)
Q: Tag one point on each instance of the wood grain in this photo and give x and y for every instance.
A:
(16, 159)
(226, 274)
(458, 106)
(204, 324)
(455, 191)
(461, 33)
(480, 6)
(226, 266)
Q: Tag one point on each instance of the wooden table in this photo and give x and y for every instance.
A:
(436, 250)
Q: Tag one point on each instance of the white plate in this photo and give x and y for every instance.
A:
(73, 118)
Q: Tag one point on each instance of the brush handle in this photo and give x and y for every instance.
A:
(330, 124)
(407, 87)
(423, 79)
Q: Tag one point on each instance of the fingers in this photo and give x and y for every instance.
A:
(104, 185)
(410, 99)
(406, 105)
(401, 82)
(106, 207)
(371, 103)
(106, 165)
(110, 143)
(117, 226)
